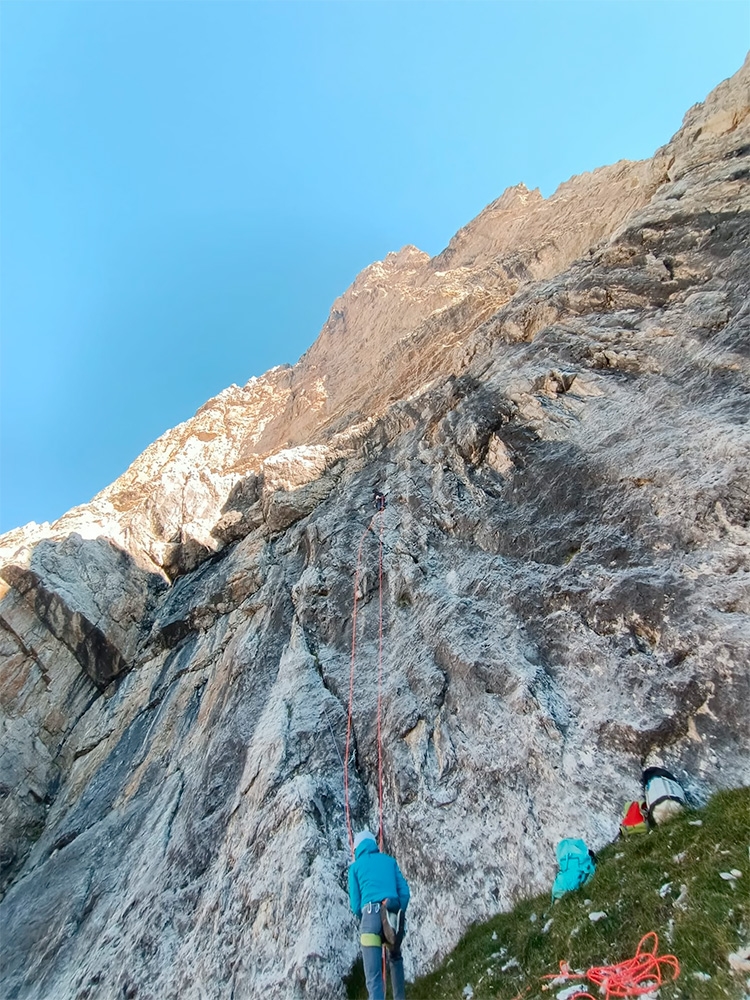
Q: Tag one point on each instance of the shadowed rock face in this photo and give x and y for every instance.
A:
(557, 408)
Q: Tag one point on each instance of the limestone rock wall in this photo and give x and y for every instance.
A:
(557, 408)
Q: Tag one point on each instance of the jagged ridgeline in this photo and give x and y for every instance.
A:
(557, 409)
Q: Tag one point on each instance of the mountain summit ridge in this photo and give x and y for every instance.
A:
(521, 225)
(424, 287)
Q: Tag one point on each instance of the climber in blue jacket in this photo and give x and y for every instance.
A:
(375, 883)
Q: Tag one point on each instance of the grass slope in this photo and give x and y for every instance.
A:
(668, 881)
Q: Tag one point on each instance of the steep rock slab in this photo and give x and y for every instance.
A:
(91, 596)
(72, 622)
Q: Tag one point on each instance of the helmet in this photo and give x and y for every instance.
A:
(361, 837)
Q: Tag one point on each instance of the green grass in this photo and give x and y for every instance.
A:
(510, 954)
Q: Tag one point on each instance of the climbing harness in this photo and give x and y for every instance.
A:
(379, 501)
(392, 920)
(635, 977)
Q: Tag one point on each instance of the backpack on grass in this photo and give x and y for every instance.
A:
(634, 820)
(665, 797)
(576, 866)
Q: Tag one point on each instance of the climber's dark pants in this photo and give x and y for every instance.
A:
(372, 957)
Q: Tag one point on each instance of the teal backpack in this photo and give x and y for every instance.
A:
(575, 864)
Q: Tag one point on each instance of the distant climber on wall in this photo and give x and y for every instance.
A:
(379, 895)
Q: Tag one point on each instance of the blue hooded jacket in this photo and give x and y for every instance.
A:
(374, 877)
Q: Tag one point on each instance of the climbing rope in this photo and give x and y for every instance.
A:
(635, 977)
(351, 686)
(380, 682)
(379, 514)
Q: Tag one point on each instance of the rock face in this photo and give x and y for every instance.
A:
(557, 409)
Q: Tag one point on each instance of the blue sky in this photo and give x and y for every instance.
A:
(186, 187)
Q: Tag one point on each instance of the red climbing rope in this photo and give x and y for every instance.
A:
(351, 686)
(635, 977)
(380, 513)
(380, 683)
(380, 702)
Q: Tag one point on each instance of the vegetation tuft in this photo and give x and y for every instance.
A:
(668, 881)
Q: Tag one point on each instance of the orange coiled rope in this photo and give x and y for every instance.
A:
(635, 977)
